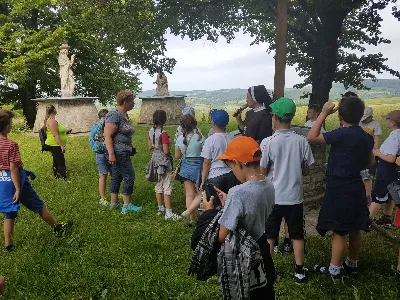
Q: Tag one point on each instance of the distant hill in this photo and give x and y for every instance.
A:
(383, 88)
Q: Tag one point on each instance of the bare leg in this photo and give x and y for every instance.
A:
(8, 228)
(388, 208)
(195, 204)
(167, 201)
(159, 197)
(374, 209)
(190, 192)
(114, 199)
(271, 246)
(339, 246)
(286, 229)
(47, 217)
(368, 187)
(355, 243)
(102, 186)
(127, 199)
(298, 249)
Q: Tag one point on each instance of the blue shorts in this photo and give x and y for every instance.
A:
(29, 198)
(11, 215)
(102, 163)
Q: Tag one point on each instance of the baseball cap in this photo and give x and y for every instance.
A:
(220, 117)
(368, 112)
(282, 107)
(394, 116)
(241, 149)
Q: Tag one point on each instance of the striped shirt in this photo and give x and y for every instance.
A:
(9, 153)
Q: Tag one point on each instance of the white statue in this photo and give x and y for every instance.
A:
(66, 74)
(162, 85)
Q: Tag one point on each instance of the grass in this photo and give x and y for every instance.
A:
(140, 256)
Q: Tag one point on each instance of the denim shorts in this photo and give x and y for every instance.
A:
(102, 163)
(191, 169)
(122, 170)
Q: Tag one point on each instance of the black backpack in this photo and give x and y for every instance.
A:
(43, 137)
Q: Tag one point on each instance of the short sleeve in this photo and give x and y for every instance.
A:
(308, 155)
(113, 117)
(179, 144)
(14, 155)
(334, 136)
(164, 138)
(232, 213)
(377, 129)
(391, 145)
(265, 153)
(206, 152)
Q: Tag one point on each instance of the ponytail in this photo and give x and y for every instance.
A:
(50, 109)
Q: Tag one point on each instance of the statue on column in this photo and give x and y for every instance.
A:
(162, 85)
(66, 74)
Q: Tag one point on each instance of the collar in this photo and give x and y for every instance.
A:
(259, 109)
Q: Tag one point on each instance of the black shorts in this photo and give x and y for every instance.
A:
(294, 218)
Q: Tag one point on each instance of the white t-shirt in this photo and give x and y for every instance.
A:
(375, 126)
(310, 124)
(391, 146)
(283, 155)
(214, 146)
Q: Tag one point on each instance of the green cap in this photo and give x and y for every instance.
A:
(284, 108)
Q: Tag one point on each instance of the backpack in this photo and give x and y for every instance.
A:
(96, 139)
(43, 137)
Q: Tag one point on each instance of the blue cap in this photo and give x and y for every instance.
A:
(220, 117)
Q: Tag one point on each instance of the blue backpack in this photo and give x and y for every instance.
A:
(96, 139)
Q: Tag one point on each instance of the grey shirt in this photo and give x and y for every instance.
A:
(122, 139)
(248, 206)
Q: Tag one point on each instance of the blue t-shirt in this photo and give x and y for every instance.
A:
(194, 145)
(350, 151)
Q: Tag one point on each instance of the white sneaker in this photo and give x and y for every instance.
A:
(104, 202)
(161, 210)
(173, 217)
(186, 218)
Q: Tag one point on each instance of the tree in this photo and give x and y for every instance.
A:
(111, 39)
(322, 35)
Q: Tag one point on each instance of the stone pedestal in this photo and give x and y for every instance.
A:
(171, 104)
(75, 113)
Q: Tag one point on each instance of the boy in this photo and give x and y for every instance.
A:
(386, 169)
(248, 206)
(284, 155)
(10, 161)
(344, 210)
(313, 112)
(98, 146)
(374, 128)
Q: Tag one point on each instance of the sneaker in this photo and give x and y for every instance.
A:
(104, 202)
(9, 248)
(186, 218)
(349, 270)
(132, 207)
(124, 210)
(276, 249)
(287, 248)
(62, 228)
(300, 276)
(385, 221)
(173, 217)
(112, 205)
(325, 270)
(161, 210)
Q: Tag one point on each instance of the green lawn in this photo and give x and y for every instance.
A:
(141, 256)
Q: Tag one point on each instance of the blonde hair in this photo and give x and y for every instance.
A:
(123, 96)
(50, 109)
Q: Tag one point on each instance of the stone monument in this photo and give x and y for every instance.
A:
(75, 113)
(162, 100)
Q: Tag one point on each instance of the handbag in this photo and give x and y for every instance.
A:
(178, 166)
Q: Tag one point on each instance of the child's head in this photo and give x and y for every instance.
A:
(243, 153)
(351, 110)
(283, 111)
(159, 118)
(188, 123)
(368, 115)
(313, 112)
(6, 117)
(393, 120)
(102, 113)
(188, 110)
(349, 94)
(219, 118)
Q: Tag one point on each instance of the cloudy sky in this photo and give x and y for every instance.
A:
(202, 65)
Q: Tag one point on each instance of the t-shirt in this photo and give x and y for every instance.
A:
(179, 132)
(283, 155)
(9, 153)
(154, 137)
(248, 206)
(122, 139)
(310, 124)
(194, 145)
(391, 146)
(350, 152)
(258, 124)
(215, 146)
(375, 126)
(62, 132)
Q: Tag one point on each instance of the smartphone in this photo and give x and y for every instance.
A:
(210, 191)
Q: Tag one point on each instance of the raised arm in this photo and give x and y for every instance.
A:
(315, 136)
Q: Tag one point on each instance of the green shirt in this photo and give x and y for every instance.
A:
(62, 132)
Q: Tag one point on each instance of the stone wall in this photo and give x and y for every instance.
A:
(79, 114)
(171, 104)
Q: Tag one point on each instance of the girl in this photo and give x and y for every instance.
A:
(161, 163)
(188, 146)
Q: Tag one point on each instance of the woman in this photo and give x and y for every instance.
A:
(118, 132)
(56, 141)
(258, 122)
(188, 146)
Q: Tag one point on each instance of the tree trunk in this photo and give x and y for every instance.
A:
(28, 106)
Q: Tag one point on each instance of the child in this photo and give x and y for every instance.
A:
(11, 168)
(97, 143)
(248, 206)
(159, 142)
(344, 210)
(284, 154)
(386, 169)
(374, 128)
(313, 112)
(187, 110)
(214, 172)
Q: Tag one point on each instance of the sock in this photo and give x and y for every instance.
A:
(351, 263)
(287, 241)
(126, 205)
(161, 207)
(334, 270)
(299, 267)
(168, 212)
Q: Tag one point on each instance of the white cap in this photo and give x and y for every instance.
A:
(188, 110)
(368, 112)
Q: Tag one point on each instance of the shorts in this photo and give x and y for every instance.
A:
(29, 198)
(10, 215)
(294, 218)
(366, 175)
(191, 169)
(165, 185)
(382, 200)
(102, 163)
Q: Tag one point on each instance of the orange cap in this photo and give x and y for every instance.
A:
(241, 149)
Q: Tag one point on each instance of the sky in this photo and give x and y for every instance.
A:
(202, 65)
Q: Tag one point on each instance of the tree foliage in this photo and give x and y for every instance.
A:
(110, 39)
(326, 39)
